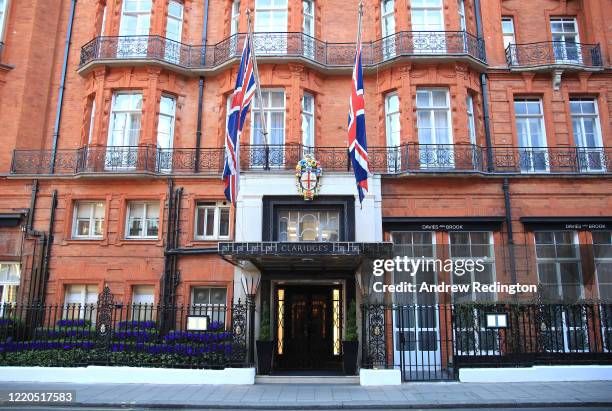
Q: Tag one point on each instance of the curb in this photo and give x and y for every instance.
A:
(318, 406)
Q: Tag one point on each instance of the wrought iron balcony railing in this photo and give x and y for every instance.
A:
(553, 53)
(409, 158)
(406, 43)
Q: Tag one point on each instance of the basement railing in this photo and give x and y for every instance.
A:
(297, 45)
(408, 158)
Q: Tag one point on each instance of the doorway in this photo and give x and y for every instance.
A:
(308, 328)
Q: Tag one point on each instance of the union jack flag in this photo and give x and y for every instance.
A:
(357, 142)
(239, 108)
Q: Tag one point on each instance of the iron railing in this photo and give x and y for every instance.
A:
(327, 54)
(142, 335)
(432, 341)
(413, 158)
(549, 53)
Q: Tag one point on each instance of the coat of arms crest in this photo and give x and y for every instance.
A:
(308, 177)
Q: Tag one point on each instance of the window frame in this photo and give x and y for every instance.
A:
(268, 111)
(507, 34)
(462, 16)
(235, 17)
(180, 19)
(311, 18)
(269, 28)
(469, 101)
(130, 112)
(138, 14)
(427, 9)
(92, 220)
(387, 19)
(143, 220)
(217, 207)
(582, 117)
(9, 288)
(432, 109)
(605, 259)
(308, 134)
(487, 260)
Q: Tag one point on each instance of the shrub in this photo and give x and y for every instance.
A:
(264, 327)
(351, 323)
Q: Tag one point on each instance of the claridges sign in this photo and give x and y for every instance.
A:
(301, 248)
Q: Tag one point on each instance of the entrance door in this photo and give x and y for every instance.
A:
(308, 331)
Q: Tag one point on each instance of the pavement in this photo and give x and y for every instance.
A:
(436, 395)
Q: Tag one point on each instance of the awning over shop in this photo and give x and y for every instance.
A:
(304, 256)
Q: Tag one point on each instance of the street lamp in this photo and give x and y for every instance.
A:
(250, 286)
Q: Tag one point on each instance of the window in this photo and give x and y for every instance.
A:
(92, 117)
(565, 39)
(296, 226)
(461, 10)
(471, 121)
(533, 154)
(602, 251)
(143, 300)
(212, 221)
(88, 220)
(209, 301)
(434, 125)
(3, 13)
(165, 132)
(174, 31)
(308, 132)
(308, 27)
(392, 123)
(387, 20)
(142, 220)
(103, 26)
(587, 134)
(235, 19)
(508, 31)
(10, 277)
(274, 113)
(560, 279)
(80, 302)
(124, 131)
(427, 15)
(473, 245)
(135, 21)
(270, 16)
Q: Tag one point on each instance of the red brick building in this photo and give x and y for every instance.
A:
(488, 125)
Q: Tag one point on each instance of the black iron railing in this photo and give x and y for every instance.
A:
(406, 43)
(413, 158)
(550, 53)
(432, 341)
(141, 335)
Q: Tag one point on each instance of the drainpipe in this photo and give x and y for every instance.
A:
(484, 87)
(47, 255)
(60, 96)
(201, 89)
(508, 207)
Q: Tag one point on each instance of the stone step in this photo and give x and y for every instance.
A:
(307, 379)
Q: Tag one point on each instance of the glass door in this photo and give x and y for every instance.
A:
(124, 132)
(434, 125)
(566, 42)
(587, 135)
(174, 32)
(165, 133)
(428, 26)
(533, 151)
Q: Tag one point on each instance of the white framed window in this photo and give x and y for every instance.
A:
(235, 18)
(212, 221)
(533, 152)
(308, 123)
(565, 39)
(434, 127)
(469, 102)
(88, 220)
(92, 117)
(602, 252)
(274, 112)
(103, 26)
(473, 245)
(135, 18)
(210, 301)
(387, 21)
(174, 25)
(142, 220)
(167, 118)
(427, 15)
(271, 16)
(3, 13)
(508, 31)
(461, 11)
(143, 300)
(587, 134)
(10, 278)
(392, 131)
(308, 28)
(80, 302)
(124, 131)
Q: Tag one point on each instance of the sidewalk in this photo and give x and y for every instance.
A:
(284, 396)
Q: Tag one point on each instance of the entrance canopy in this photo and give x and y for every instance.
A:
(304, 256)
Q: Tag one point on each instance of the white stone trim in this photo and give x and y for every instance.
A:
(128, 375)
(538, 373)
(379, 377)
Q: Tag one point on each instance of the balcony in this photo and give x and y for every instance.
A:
(554, 55)
(409, 158)
(423, 45)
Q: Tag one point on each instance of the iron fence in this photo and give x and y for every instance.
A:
(554, 53)
(284, 44)
(413, 158)
(432, 341)
(144, 335)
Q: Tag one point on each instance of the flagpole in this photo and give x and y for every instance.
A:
(257, 83)
(359, 22)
